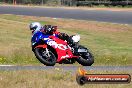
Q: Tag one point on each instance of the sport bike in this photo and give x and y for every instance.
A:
(49, 50)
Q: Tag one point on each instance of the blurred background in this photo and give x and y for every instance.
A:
(70, 2)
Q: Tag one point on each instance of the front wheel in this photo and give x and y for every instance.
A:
(85, 59)
(47, 58)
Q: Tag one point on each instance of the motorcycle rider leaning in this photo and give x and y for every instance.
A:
(51, 30)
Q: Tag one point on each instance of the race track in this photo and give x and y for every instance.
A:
(123, 17)
(66, 68)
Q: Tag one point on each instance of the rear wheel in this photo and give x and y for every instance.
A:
(85, 59)
(47, 58)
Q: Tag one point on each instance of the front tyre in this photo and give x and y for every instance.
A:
(47, 59)
(85, 59)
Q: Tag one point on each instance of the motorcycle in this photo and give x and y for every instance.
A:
(49, 50)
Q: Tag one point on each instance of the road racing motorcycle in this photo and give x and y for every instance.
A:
(49, 50)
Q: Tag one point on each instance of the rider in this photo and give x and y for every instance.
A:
(52, 30)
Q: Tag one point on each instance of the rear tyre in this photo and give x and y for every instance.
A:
(85, 59)
(41, 55)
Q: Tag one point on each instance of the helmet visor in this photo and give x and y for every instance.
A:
(33, 28)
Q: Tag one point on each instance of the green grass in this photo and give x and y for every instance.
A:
(111, 44)
(110, 6)
(51, 79)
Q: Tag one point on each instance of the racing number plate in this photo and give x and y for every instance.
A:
(82, 50)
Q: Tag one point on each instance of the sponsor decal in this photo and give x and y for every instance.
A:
(55, 45)
(67, 56)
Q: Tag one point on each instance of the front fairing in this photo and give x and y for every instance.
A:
(37, 37)
(40, 36)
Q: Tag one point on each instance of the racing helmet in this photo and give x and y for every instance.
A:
(35, 26)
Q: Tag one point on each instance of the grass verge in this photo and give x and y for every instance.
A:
(51, 79)
(111, 44)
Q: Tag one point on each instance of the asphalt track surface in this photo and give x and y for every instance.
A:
(123, 17)
(66, 68)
